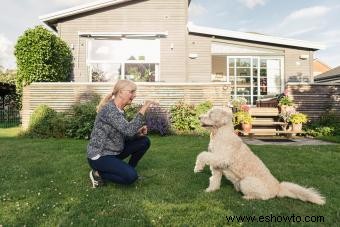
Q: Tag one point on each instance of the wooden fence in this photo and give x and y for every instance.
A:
(60, 96)
(315, 99)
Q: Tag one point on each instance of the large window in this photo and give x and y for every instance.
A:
(255, 77)
(134, 58)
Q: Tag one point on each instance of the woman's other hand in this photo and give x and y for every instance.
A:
(143, 131)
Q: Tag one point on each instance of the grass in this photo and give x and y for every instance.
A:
(335, 139)
(45, 183)
(9, 132)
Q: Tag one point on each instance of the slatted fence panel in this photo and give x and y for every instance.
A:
(61, 96)
(315, 99)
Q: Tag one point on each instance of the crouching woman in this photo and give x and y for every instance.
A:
(113, 138)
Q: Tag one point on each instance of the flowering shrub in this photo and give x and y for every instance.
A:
(157, 120)
(245, 108)
(238, 102)
(242, 117)
(298, 118)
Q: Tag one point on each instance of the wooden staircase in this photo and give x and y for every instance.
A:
(266, 122)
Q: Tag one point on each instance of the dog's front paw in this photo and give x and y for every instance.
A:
(198, 169)
(211, 189)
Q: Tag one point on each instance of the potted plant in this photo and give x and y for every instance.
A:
(297, 119)
(237, 103)
(284, 103)
(243, 118)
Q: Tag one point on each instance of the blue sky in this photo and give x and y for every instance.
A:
(310, 20)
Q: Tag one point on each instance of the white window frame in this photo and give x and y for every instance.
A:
(123, 74)
(252, 57)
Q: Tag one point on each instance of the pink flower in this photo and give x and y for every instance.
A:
(245, 108)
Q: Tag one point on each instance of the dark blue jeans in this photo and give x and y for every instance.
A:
(112, 168)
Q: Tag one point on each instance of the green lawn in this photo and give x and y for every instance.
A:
(334, 139)
(45, 183)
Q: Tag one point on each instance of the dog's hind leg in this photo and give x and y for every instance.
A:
(254, 188)
(233, 179)
(214, 180)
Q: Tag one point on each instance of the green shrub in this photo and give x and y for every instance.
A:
(203, 107)
(320, 131)
(131, 111)
(185, 117)
(45, 123)
(81, 117)
(327, 125)
(41, 56)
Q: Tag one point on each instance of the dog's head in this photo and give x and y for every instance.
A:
(216, 118)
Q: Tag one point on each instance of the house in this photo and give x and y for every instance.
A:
(151, 40)
(331, 76)
(319, 67)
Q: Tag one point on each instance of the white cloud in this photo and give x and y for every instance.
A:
(7, 59)
(252, 3)
(196, 10)
(306, 14)
(300, 32)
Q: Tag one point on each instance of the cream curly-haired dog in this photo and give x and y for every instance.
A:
(227, 155)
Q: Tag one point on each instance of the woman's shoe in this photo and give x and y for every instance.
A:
(96, 180)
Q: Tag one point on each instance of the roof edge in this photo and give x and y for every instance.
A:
(79, 9)
(254, 37)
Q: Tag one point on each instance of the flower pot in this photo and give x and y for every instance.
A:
(297, 127)
(246, 127)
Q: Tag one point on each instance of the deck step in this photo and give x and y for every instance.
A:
(267, 123)
(264, 112)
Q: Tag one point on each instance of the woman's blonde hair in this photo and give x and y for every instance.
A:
(120, 85)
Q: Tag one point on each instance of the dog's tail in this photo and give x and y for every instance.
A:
(295, 191)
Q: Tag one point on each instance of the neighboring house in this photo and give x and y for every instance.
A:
(319, 67)
(151, 40)
(331, 76)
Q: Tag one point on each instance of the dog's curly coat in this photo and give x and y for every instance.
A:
(227, 155)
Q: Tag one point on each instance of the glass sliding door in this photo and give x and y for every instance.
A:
(254, 77)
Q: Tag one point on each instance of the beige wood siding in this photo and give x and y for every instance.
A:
(199, 69)
(135, 16)
(60, 96)
(294, 66)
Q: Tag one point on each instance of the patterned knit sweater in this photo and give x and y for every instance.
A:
(110, 131)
